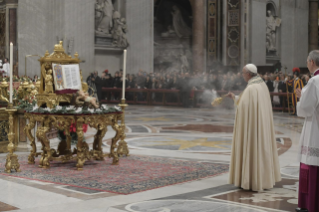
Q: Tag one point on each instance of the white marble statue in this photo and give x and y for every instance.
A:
(178, 26)
(184, 62)
(271, 25)
(103, 16)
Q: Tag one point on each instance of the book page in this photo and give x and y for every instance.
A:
(74, 73)
(72, 76)
(67, 77)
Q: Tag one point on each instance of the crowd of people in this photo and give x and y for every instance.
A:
(185, 83)
(281, 83)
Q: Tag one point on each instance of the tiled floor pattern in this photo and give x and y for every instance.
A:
(184, 134)
(6, 207)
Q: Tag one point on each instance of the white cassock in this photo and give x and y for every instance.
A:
(254, 161)
(6, 69)
(308, 107)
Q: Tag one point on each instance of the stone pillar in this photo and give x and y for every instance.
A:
(313, 25)
(11, 29)
(198, 34)
(139, 16)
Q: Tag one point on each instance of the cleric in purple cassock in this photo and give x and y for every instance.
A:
(308, 107)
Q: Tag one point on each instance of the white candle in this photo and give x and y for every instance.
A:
(124, 74)
(11, 68)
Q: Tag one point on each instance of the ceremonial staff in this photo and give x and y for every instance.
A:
(287, 89)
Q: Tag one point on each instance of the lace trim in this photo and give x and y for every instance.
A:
(310, 151)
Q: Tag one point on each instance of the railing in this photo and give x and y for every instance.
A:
(171, 97)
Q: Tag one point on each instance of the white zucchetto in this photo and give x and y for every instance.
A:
(252, 68)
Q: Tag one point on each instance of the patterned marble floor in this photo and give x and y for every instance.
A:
(183, 134)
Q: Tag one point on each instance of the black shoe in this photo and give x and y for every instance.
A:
(301, 210)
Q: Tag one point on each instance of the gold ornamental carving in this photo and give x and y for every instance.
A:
(12, 161)
(82, 152)
(46, 95)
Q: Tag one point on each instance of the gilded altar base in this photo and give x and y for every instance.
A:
(82, 152)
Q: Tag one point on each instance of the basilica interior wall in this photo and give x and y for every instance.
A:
(301, 32)
(140, 35)
(291, 42)
(258, 33)
(79, 32)
(42, 23)
(286, 43)
(139, 21)
(112, 60)
(32, 39)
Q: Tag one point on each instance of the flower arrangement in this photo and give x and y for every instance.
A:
(16, 78)
(26, 102)
(4, 77)
(73, 134)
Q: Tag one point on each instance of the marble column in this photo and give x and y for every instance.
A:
(313, 25)
(198, 34)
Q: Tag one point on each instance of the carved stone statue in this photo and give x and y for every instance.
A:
(119, 31)
(178, 27)
(103, 16)
(271, 26)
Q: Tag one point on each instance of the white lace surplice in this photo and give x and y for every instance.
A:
(308, 107)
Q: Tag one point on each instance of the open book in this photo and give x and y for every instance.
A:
(66, 78)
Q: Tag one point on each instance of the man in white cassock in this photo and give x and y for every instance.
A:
(254, 161)
(6, 68)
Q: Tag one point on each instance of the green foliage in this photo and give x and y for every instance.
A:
(27, 103)
(74, 137)
(73, 110)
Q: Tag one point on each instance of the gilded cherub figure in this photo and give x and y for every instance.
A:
(34, 91)
(49, 82)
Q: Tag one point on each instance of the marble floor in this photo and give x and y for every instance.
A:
(183, 134)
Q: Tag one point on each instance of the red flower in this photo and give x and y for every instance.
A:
(72, 128)
(85, 128)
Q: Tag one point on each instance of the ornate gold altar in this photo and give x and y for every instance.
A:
(82, 152)
(48, 101)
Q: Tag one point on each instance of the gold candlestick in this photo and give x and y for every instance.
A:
(12, 161)
(122, 148)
